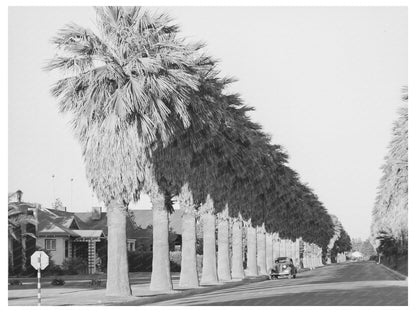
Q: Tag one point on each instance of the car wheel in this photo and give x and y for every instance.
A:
(294, 276)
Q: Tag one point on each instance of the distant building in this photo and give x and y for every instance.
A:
(356, 255)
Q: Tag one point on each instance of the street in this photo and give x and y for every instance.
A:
(350, 283)
(356, 283)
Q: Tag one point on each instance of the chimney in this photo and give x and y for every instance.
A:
(96, 213)
(19, 195)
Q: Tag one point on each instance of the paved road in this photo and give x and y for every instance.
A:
(359, 283)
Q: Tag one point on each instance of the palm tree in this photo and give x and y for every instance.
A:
(209, 261)
(127, 88)
(390, 212)
(224, 270)
(17, 220)
(189, 274)
(269, 252)
(237, 269)
(261, 250)
(251, 250)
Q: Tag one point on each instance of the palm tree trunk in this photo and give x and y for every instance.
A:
(209, 260)
(293, 250)
(224, 273)
(261, 251)
(11, 258)
(237, 270)
(297, 256)
(161, 279)
(269, 252)
(23, 242)
(117, 265)
(283, 248)
(252, 269)
(189, 273)
(275, 253)
(306, 255)
(287, 248)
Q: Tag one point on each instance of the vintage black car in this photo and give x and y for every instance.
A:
(283, 266)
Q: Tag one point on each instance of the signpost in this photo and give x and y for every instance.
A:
(39, 260)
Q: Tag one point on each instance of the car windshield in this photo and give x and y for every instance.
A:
(283, 260)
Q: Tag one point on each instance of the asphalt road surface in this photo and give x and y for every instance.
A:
(347, 284)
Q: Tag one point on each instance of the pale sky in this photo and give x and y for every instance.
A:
(325, 83)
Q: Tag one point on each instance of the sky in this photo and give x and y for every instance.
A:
(325, 84)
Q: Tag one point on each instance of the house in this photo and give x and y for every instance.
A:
(84, 234)
(66, 235)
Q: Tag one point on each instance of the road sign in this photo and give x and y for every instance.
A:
(39, 259)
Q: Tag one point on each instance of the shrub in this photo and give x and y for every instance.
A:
(58, 282)
(174, 267)
(53, 269)
(73, 266)
(96, 283)
(15, 283)
(140, 261)
(175, 258)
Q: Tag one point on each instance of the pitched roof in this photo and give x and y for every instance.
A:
(49, 222)
(52, 221)
(85, 221)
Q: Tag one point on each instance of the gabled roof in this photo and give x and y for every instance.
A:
(57, 222)
(52, 223)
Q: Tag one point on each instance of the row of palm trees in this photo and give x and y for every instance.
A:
(153, 116)
(390, 212)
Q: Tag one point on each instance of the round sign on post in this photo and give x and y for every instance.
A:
(44, 260)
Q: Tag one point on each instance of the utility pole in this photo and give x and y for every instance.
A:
(53, 188)
(72, 180)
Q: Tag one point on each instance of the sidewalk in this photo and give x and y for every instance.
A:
(395, 273)
(88, 296)
(81, 281)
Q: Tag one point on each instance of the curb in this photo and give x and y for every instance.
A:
(397, 274)
(185, 293)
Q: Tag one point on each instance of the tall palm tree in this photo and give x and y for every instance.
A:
(237, 269)
(189, 274)
(17, 220)
(252, 269)
(224, 269)
(390, 212)
(127, 88)
(269, 252)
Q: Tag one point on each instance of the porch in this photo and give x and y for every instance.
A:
(91, 246)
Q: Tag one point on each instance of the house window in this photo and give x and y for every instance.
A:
(131, 245)
(50, 244)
